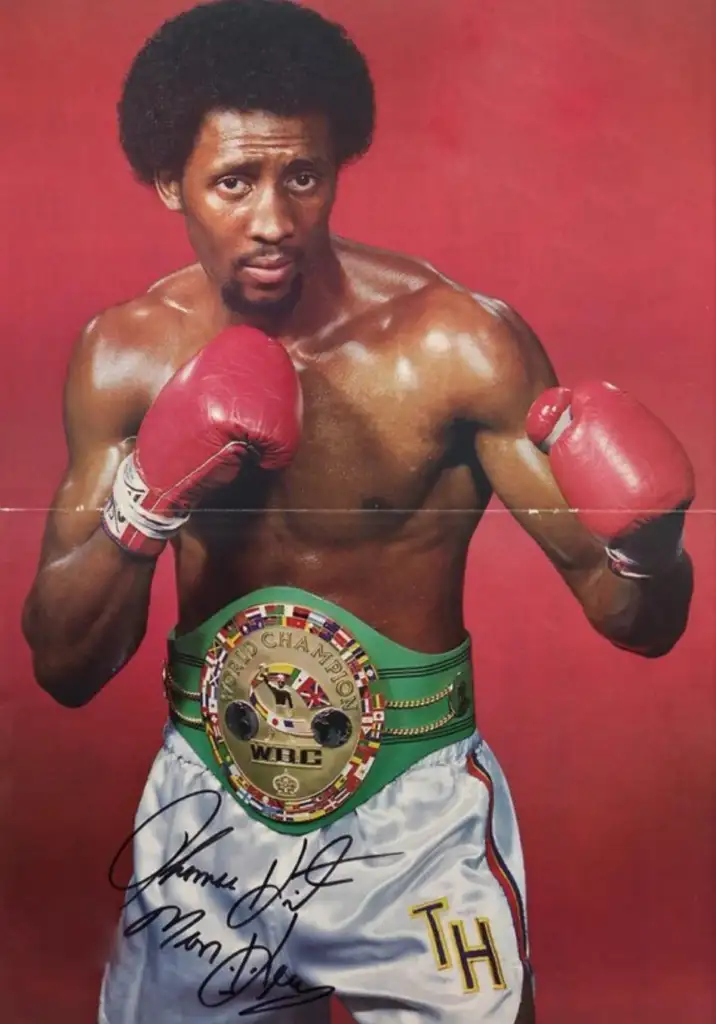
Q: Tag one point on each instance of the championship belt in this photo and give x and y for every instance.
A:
(289, 706)
(303, 712)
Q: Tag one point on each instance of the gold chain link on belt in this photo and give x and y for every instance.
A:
(420, 730)
(423, 703)
(171, 687)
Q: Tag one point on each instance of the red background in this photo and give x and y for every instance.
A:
(556, 153)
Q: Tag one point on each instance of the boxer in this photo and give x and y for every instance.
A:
(315, 428)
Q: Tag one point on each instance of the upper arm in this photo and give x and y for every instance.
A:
(101, 410)
(515, 371)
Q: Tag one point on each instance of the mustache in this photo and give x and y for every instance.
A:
(268, 252)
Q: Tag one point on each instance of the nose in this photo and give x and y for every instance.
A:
(271, 221)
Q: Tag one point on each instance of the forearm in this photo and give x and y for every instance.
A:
(85, 617)
(646, 616)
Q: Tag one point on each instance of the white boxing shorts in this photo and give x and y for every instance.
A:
(410, 908)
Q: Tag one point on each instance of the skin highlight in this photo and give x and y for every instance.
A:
(415, 396)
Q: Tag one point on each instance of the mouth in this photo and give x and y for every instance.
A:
(269, 271)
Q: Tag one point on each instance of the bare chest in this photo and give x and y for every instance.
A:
(367, 443)
(376, 450)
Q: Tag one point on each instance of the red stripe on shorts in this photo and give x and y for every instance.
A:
(496, 863)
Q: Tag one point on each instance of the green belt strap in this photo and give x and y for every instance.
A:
(404, 677)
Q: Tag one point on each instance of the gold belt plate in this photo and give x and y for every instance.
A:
(289, 706)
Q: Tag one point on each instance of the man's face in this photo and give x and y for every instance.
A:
(256, 193)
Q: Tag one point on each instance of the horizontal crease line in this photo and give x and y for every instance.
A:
(394, 511)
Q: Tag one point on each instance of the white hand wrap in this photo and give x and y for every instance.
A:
(622, 564)
(127, 516)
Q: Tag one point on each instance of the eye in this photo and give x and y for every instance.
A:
(303, 182)
(233, 186)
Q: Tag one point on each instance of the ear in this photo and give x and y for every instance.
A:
(169, 191)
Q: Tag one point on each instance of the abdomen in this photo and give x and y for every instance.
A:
(402, 575)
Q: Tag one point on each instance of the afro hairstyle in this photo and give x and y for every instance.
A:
(246, 55)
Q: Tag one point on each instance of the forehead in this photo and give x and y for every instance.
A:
(230, 135)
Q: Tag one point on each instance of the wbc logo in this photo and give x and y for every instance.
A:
(289, 709)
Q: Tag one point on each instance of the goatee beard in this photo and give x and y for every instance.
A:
(232, 294)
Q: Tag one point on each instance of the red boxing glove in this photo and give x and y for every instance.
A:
(239, 397)
(622, 470)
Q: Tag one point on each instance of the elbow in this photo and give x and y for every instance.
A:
(646, 643)
(72, 673)
(655, 647)
(66, 697)
(72, 683)
(68, 689)
(650, 653)
(69, 676)
(62, 682)
(647, 618)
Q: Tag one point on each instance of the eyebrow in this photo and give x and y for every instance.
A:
(252, 164)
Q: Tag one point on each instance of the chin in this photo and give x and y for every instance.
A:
(259, 296)
(269, 303)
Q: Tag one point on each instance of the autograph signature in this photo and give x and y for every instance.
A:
(232, 972)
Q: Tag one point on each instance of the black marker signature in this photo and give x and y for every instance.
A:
(178, 863)
(232, 973)
(316, 874)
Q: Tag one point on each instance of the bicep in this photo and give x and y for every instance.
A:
(518, 472)
(521, 478)
(97, 425)
(78, 501)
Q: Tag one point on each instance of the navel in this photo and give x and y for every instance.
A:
(375, 504)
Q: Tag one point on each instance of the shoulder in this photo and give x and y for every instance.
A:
(414, 293)
(128, 351)
(476, 350)
(498, 365)
(489, 361)
(152, 323)
(485, 334)
(483, 337)
(138, 338)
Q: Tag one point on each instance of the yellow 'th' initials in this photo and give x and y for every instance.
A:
(436, 935)
(468, 957)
